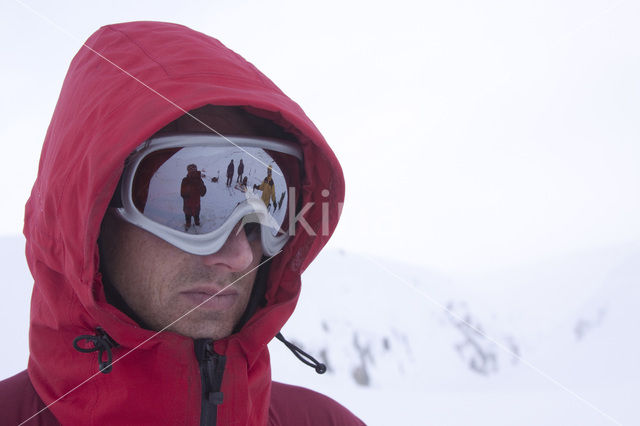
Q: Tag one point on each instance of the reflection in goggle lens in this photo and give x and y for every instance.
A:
(195, 189)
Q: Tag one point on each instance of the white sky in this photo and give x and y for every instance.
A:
(473, 135)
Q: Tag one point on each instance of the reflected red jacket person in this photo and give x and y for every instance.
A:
(191, 189)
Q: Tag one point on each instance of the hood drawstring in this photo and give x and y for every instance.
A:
(101, 342)
(299, 353)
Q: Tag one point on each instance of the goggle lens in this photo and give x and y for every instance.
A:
(194, 189)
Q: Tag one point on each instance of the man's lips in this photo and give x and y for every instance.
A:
(220, 290)
(214, 298)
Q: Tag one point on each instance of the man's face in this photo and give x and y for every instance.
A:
(161, 283)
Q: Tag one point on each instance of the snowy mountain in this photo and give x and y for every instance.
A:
(551, 343)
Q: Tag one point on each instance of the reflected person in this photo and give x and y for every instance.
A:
(191, 189)
(240, 171)
(230, 168)
(268, 190)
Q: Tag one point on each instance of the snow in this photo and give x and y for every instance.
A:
(550, 343)
(410, 330)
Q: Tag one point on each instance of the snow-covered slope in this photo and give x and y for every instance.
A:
(552, 343)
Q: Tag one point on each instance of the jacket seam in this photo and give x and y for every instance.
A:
(142, 49)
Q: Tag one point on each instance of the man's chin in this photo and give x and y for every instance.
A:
(202, 331)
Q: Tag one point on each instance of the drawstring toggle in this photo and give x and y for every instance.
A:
(100, 342)
(301, 355)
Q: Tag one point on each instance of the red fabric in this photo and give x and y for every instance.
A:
(19, 402)
(290, 405)
(293, 405)
(101, 116)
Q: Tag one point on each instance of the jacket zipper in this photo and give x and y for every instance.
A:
(211, 369)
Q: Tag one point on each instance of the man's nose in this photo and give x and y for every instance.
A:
(236, 253)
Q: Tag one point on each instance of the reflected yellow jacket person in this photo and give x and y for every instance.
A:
(268, 189)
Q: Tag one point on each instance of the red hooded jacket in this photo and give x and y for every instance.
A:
(128, 81)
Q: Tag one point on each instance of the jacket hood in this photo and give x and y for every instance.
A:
(128, 81)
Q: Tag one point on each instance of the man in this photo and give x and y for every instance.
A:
(240, 171)
(268, 190)
(191, 189)
(230, 173)
(133, 320)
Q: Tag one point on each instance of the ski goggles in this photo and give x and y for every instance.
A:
(192, 190)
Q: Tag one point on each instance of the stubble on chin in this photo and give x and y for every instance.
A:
(189, 320)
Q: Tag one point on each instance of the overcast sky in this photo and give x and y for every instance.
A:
(473, 135)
